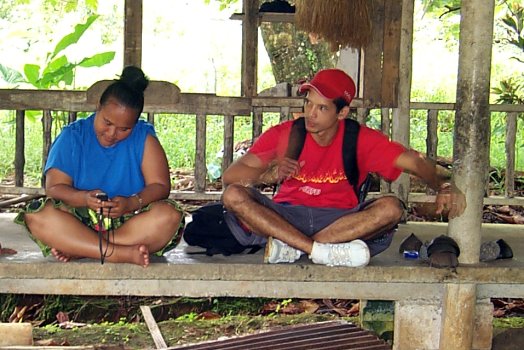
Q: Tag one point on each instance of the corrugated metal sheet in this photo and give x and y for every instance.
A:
(335, 335)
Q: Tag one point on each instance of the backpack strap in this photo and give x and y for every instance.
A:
(349, 158)
(297, 138)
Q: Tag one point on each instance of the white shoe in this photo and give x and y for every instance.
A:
(351, 254)
(279, 252)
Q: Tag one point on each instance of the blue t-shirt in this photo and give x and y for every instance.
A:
(115, 170)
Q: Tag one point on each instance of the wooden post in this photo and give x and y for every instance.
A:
(432, 138)
(458, 316)
(47, 124)
(511, 138)
(257, 122)
(391, 53)
(71, 117)
(200, 156)
(229, 129)
(371, 69)
(385, 122)
(133, 33)
(151, 118)
(400, 125)
(19, 149)
(362, 115)
(472, 123)
(249, 48)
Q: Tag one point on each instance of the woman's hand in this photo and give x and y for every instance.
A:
(122, 205)
(94, 203)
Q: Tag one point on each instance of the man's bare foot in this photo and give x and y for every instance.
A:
(63, 257)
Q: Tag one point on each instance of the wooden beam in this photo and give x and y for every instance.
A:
(160, 343)
(371, 63)
(391, 54)
(133, 33)
(249, 48)
(20, 148)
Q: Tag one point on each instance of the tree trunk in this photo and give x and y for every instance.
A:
(292, 55)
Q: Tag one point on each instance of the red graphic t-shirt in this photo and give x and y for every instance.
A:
(322, 181)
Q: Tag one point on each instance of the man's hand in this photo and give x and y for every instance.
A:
(449, 197)
(279, 171)
(288, 167)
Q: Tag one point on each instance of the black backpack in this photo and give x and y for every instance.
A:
(209, 230)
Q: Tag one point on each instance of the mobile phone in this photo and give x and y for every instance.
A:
(102, 196)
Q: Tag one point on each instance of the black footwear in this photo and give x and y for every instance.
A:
(493, 250)
(443, 252)
(505, 250)
(410, 243)
(489, 251)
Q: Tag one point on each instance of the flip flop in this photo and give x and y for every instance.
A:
(443, 252)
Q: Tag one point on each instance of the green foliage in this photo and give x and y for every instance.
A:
(224, 4)
(513, 22)
(444, 7)
(57, 69)
(510, 91)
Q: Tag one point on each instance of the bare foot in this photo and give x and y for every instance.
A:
(144, 255)
(61, 256)
(136, 254)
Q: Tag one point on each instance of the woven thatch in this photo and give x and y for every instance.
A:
(340, 22)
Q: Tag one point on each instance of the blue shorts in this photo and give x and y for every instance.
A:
(308, 220)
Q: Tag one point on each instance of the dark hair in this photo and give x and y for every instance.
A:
(340, 103)
(128, 90)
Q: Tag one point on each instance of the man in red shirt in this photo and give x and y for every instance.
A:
(316, 210)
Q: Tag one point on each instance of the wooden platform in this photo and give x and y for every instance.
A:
(389, 276)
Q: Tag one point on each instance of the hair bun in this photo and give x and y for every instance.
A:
(134, 78)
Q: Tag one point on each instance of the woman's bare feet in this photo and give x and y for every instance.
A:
(143, 255)
(63, 257)
(136, 254)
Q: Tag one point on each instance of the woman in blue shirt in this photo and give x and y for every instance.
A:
(107, 185)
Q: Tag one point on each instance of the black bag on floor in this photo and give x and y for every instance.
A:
(208, 229)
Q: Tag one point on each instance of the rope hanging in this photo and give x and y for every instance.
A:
(340, 22)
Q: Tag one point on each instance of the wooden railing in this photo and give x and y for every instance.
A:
(162, 97)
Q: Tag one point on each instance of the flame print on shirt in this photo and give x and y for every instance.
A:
(332, 177)
(310, 180)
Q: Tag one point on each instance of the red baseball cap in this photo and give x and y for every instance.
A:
(332, 84)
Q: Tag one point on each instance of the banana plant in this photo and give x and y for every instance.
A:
(57, 69)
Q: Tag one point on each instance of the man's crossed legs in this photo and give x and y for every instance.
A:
(330, 236)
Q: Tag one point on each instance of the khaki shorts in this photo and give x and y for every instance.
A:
(90, 218)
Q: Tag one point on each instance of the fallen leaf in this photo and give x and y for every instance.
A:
(498, 313)
(208, 315)
(309, 306)
(62, 317)
(354, 310)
